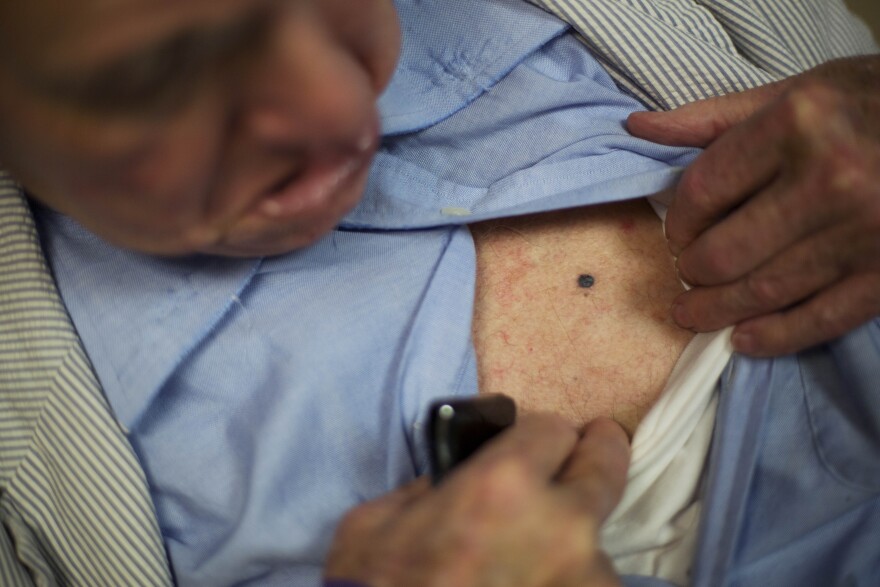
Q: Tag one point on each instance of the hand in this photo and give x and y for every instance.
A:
(525, 510)
(777, 223)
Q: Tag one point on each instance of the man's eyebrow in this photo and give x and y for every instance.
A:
(156, 72)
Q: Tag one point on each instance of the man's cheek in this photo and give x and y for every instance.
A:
(163, 182)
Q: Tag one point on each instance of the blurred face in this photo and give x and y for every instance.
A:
(238, 127)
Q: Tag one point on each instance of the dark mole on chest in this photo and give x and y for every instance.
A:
(586, 280)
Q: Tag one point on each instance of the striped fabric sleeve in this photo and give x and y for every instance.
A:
(74, 504)
(12, 573)
(673, 52)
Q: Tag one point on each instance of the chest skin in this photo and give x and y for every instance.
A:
(556, 340)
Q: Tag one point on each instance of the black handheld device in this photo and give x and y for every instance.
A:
(457, 427)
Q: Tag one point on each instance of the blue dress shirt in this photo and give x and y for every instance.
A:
(265, 397)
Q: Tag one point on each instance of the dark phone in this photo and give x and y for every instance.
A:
(458, 427)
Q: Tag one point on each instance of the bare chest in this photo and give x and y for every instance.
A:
(572, 311)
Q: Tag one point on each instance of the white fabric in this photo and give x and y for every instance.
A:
(653, 531)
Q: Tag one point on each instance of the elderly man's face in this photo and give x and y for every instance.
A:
(174, 126)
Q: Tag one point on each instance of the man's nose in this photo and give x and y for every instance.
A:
(305, 90)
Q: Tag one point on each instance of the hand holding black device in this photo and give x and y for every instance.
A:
(457, 427)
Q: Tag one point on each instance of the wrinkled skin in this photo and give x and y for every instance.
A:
(524, 511)
(239, 127)
(777, 223)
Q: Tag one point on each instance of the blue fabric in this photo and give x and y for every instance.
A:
(265, 397)
(793, 493)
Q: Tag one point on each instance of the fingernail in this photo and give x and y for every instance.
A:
(681, 316)
(681, 274)
(743, 342)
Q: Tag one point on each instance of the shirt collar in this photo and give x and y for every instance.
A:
(442, 69)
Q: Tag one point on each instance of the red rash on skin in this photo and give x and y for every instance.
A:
(627, 225)
(517, 266)
(554, 345)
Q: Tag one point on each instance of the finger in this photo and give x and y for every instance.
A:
(412, 491)
(791, 277)
(826, 316)
(766, 224)
(699, 123)
(377, 511)
(537, 446)
(733, 168)
(786, 135)
(595, 475)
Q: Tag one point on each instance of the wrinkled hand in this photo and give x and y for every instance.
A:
(524, 511)
(777, 223)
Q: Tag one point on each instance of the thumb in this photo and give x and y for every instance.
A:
(596, 473)
(698, 124)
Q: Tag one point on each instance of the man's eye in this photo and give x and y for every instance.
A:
(154, 80)
(163, 78)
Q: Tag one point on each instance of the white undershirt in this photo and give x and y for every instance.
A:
(653, 531)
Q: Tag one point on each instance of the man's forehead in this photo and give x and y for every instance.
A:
(63, 31)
